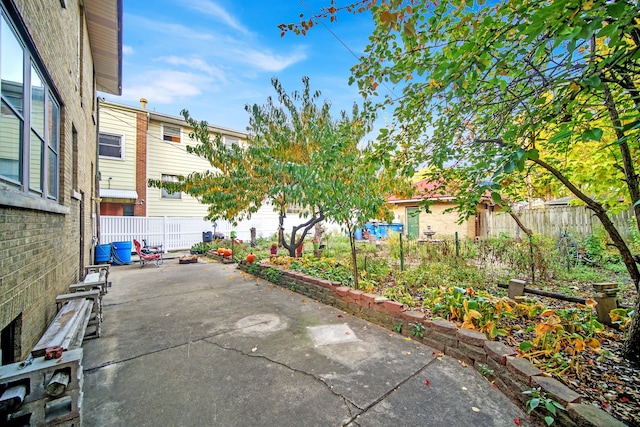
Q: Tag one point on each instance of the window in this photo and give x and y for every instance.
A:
(171, 133)
(111, 145)
(29, 119)
(127, 210)
(165, 193)
(229, 141)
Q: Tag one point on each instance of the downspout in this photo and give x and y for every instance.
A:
(96, 196)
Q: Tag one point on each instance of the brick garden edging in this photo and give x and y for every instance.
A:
(512, 375)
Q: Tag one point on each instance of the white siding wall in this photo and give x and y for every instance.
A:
(171, 159)
(123, 172)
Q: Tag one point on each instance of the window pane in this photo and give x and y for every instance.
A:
(10, 144)
(110, 145)
(171, 133)
(11, 70)
(165, 193)
(53, 123)
(52, 167)
(37, 103)
(35, 163)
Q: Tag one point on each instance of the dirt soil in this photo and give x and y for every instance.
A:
(610, 383)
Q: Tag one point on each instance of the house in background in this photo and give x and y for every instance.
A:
(416, 221)
(54, 56)
(136, 145)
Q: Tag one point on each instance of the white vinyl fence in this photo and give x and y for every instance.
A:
(178, 233)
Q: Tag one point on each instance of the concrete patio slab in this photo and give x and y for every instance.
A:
(206, 345)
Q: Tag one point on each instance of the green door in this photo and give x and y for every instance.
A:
(413, 223)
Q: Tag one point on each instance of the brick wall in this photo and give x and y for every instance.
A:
(141, 164)
(40, 250)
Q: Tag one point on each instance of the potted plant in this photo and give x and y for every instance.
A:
(273, 250)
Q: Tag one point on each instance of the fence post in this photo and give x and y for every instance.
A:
(401, 254)
(165, 231)
(457, 245)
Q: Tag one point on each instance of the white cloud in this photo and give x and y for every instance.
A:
(194, 63)
(268, 61)
(217, 12)
(127, 50)
(166, 86)
(173, 30)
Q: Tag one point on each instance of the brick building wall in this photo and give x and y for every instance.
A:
(142, 125)
(41, 249)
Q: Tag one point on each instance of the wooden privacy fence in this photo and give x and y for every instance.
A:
(177, 233)
(550, 222)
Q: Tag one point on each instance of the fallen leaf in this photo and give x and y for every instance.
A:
(427, 383)
(347, 333)
(407, 339)
(474, 409)
(516, 421)
(304, 301)
(340, 316)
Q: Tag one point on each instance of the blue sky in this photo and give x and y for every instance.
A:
(213, 57)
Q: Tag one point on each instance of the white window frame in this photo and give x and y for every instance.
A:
(122, 145)
(164, 194)
(48, 137)
(230, 140)
(162, 134)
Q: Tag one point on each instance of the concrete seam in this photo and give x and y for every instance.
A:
(387, 394)
(114, 362)
(315, 377)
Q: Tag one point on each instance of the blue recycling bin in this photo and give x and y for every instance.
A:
(397, 227)
(358, 233)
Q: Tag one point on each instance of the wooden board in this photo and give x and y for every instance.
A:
(70, 321)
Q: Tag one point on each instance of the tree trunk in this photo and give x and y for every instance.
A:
(601, 213)
(293, 242)
(631, 348)
(354, 258)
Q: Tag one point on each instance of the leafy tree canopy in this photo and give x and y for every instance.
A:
(296, 155)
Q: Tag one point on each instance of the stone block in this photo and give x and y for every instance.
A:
(413, 316)
(443, 327)
(473, 352)
(471, 337)
(325, 284)
(369, 298)
(355, 294)
(342, 291)
(516, 288)
(560, 392)
(523, 369)
(457, 354)
(448, 340)
(498, 369)
(435, 344)
(394, 308)
(498, 351)
(585, 415)
(512, 388)
(354, 307)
